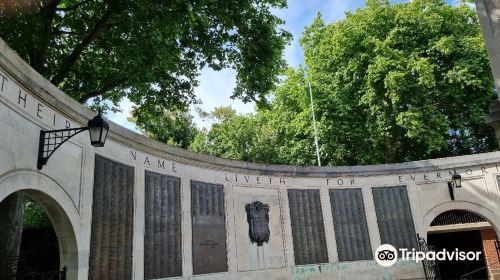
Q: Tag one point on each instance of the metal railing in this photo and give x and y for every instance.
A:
(468, 275)
(431, 268)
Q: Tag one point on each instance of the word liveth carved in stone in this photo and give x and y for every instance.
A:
(258, 222)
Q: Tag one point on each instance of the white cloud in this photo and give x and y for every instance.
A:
(215, 90)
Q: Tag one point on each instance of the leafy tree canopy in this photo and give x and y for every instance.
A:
(174, 127)
(230, 135)
(150, 51)
(412, 81)
(34, 216)
(391, 83)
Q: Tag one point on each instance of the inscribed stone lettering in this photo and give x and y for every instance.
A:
(209, 230)
(394, 217)
(112, 221)
(309, 243)
(162, 238)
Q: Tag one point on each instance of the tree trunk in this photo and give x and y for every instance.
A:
(65, 67)
(11, 227)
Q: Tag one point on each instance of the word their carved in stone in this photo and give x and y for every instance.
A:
(258, 221)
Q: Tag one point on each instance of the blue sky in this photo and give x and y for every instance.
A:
(216, 87)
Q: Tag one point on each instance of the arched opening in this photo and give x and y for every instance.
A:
(36, 237)
(39, 249)
(465, 231)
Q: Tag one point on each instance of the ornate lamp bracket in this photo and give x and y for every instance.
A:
(51, 140)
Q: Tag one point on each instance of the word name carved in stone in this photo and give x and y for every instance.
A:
(151, 161)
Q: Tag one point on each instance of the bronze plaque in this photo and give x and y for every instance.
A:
(258, 222)
(162, 237)
(112, 221)
(209, 230)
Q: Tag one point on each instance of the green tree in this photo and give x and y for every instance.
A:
(290, 121)
(34, 216)
(174, 127)
(391, 83)
(400, 82)
(149, 51)
(233, 136)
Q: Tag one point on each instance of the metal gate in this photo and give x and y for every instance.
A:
(431, 268)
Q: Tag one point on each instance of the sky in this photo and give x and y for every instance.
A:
(216, 87)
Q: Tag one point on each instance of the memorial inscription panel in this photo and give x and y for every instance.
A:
(349, 221)
(309, 243)
(112, 221)
(209, 228)
(162, 238)
(394, 218)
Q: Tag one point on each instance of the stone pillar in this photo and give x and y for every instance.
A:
(11, 226)
(489, 17)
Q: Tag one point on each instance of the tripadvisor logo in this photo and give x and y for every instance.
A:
(386, 255)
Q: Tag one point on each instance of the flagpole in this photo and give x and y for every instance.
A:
(314, 125)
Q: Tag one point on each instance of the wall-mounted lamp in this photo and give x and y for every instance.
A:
(456, 182)
(51, 140)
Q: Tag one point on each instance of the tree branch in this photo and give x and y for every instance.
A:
(74, 7)
(37, 58)
(68, 63)
(102, 90)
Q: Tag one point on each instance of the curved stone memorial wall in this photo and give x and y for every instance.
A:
(139, 209)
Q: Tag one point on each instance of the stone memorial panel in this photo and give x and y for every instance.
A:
(394, 218)
(112, 221)
(309, 243)
(209, 228)
(162, 238)
(349, 221)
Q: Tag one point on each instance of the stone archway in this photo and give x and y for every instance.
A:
(58, 206)
(489, 215)
(467, 227)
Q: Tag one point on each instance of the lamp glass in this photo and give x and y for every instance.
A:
(104, 134)
(98, 130)
(95, 134)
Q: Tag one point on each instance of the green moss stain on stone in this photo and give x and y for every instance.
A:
(303, 272)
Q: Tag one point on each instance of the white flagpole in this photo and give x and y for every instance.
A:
(314, 125)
